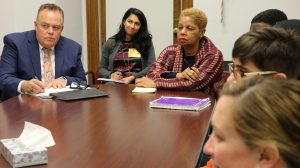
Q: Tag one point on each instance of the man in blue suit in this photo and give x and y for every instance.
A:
(23, 65)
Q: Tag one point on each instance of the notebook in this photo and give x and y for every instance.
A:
(79, 94)
(48, 91)
(143, 90)
(110, 80)
(180, 103)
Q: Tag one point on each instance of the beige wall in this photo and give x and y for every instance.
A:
(19, 15)
(237, 17)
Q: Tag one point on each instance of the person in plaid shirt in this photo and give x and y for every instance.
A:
(195, 63)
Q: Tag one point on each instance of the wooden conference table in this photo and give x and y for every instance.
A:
(116, 131)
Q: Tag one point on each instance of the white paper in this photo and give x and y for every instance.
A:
(48, 91)
(35, 136)
(143, 90)
(110, 80)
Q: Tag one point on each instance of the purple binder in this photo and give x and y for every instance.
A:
(182, 103)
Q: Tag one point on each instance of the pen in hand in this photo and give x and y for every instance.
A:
(39, 83)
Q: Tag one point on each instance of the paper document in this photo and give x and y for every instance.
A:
(143, 90)
(48, 91)
(110, 80)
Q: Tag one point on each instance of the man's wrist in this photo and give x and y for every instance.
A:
(20, 86)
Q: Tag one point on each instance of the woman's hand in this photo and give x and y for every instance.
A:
(116, 75)
(192, 74)
(128, 79)
(145, 82)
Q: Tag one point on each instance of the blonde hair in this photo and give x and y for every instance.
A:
(197, 15)
(267, 113)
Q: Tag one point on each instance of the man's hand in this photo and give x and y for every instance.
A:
(33, 86)
(192, 74)
(57, 83)
(145, 82)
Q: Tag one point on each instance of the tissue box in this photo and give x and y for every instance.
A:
(19, 157)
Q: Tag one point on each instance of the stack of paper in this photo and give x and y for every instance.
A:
(48, 91)
(143, 90)
(110, 80)
(180, 103)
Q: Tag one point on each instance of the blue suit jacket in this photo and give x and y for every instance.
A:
(20, 60)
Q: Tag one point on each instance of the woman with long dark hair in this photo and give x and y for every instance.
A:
(128, 54)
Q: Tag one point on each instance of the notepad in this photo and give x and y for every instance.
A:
(180, 103)
(110, 80)
(143, 90)
(48, 91)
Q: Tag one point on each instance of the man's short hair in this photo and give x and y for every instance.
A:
(290, 24)
(51, 7)
(270, 16)
(293, 24)
(270, 49)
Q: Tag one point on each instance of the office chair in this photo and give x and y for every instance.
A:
(94, 75)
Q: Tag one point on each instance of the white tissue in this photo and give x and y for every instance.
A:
(35, 136)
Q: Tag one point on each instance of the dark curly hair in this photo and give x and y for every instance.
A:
(270, 16)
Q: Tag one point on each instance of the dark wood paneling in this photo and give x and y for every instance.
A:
(178, 6)
(103, 22)
(92, 35)
(187, 4)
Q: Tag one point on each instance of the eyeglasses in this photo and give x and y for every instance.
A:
(45, 26)
(82, 85)
(240, 74)
(263, 73)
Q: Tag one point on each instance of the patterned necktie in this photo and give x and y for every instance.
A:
(47, 65)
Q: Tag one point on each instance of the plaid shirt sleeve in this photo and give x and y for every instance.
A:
(208, 60)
